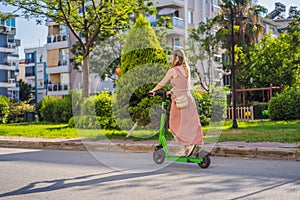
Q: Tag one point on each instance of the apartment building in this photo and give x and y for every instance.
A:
(9, 59)
(58, 66)
(186, 14)
(62, 77)
(35, 72)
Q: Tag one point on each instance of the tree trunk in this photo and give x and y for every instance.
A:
(86, 77)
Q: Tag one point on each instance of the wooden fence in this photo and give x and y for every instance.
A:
(242, 113)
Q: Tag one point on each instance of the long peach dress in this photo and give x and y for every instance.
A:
(184, 123)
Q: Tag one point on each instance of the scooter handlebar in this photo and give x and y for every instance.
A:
(157, 93)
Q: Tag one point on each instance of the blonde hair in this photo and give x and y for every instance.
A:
(180, 59)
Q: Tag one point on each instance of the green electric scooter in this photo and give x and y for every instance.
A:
(162, 152)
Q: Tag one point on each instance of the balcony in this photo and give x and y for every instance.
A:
(57, 42)
(7, 30)
(57, 89)
(29, 61)
(12, 80)
(9, 65)
(59, 69)
(57, 38)
(169, 4)
(178, 27)
(10, 85)
(175, 47)
(8, 49)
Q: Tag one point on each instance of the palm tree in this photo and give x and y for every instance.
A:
(248, 31)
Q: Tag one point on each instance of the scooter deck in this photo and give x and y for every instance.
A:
(184, 159)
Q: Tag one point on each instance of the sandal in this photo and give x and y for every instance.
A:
(191, 148)
(181, 152)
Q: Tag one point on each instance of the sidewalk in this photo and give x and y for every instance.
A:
(263, 150)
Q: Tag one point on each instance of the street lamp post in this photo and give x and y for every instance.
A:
(233, 70)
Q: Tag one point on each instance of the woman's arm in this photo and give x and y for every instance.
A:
(167, 77)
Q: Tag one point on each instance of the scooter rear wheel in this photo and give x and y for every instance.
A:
(159, 156)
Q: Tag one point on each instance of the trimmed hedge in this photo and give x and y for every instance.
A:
(285, 106)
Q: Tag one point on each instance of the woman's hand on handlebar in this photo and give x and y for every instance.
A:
(169, 93)
(151, 93)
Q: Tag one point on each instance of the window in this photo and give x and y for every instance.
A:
(190, 17)
(29, 71)
(176, 13)
(226, 80)
(176, 42)
(9, 23)
(29, 58)
(10, 39)
(63, 30)
(63, 57)
(215, 8)
(152, 20)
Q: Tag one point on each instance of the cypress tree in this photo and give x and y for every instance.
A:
(143, 64)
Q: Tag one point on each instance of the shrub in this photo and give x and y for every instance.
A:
(258, 111)
(100, 106)
(4, 109)
(62, 110)
(285, 106)
(17, 111)
(203, 102)
(46, 109)
(52, 109)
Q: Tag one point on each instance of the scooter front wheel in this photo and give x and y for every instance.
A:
(159, 156)
(205, 162)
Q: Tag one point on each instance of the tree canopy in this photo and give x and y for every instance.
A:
(89, 21)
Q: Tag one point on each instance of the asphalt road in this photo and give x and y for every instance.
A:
(52, 174)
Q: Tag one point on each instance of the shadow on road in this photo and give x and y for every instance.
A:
(81, 181)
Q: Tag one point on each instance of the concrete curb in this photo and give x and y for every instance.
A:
(218, 150)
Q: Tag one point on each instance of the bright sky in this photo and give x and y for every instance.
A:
(32, 35)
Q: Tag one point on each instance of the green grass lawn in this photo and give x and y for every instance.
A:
(256, 131)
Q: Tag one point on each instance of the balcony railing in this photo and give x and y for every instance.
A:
(58, 87)
(62, 62)
(28, 61)
(8, 30)
(178, 22)
(170, 3)
(57, 38)
(59, 69)
(11, 80)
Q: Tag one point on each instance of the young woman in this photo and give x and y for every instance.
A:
(184, 122)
